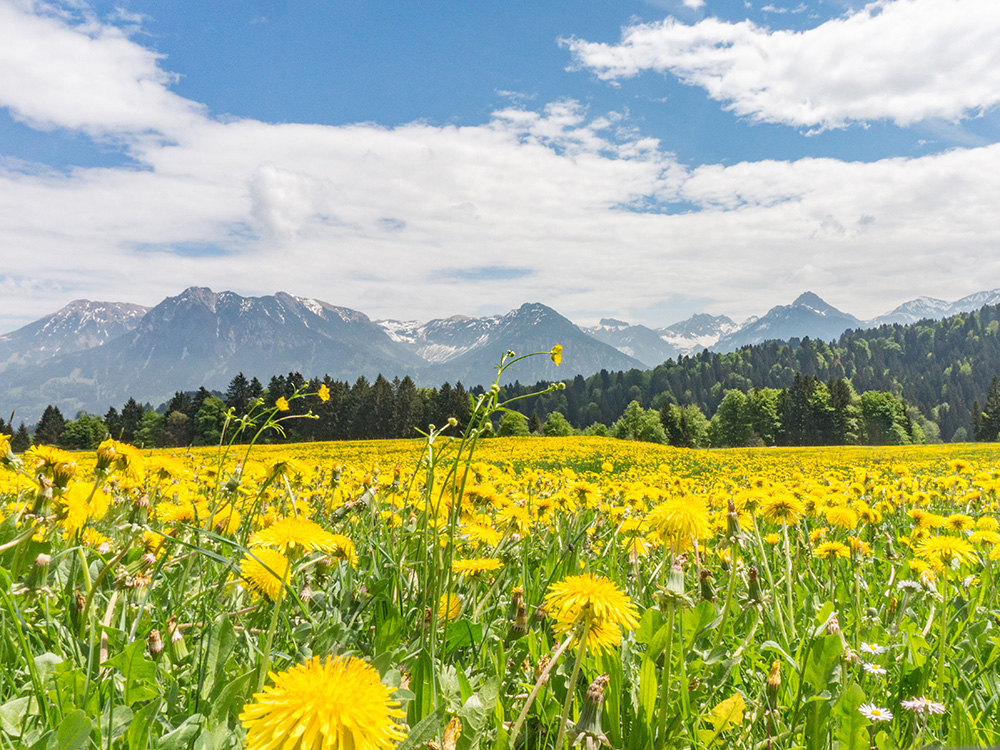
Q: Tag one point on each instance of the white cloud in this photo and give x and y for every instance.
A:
(378, 219)
(898, 60)
(86, 76)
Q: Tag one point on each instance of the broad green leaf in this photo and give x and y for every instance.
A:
(142, 723)
(852, 727)
(221, 641)
(229, 702)
(73, 732)
(475, 714)
(426, 730)
(138, 670)
(182, 737)
(727, 714)
(822, 667)
(12, 714)
(648, 686)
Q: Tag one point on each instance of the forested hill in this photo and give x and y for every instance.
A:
(939, 367)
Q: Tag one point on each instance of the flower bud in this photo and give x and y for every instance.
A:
(178, 648)
(773, 683)
(754, 593)
(154, 644)
(588, 729)
(62, 473)
(707, 590)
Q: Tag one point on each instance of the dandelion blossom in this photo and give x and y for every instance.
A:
(680, 519)
(783, 509)
(946, 549)
(476, 566)
(295, 536)
(264, 573)
(575, 598)
(830, 550)
(336, 704)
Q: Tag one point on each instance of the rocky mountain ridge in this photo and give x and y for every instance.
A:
(92, 354)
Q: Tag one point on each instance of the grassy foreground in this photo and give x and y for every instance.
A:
(510, 592)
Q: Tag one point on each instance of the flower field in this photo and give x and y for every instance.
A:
(462, 592)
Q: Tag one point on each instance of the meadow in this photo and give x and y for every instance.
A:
(464, 592)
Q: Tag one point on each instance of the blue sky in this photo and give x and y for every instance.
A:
(641, 160)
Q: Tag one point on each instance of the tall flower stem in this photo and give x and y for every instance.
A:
(944, 632)
(265, 657)
(571, 685)
(542, 678)
(661, 718)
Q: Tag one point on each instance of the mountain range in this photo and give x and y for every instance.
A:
(90, 355)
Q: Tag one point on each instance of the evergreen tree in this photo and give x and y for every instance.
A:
(49, 429)
(113, 421)
(21, 440)
(846, 415)
(178, 430)
(181, 402)
(989, 418)
(238, 395)
(209, 421)
(534, 424)
(131, 417)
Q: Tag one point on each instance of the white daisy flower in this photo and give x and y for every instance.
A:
(873, 713)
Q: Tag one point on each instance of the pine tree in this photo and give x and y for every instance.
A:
(50, 427)
(989, 429)
(131, 418)
(21, 440)
(238, 394)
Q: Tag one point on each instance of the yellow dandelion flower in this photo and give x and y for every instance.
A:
(984, 537)
(79, 504)
(988, 523)
(772, 539)
(263, 573)
(680, 519)
(842, 517)
(783, 509)
(575, 598)
(477, 566)
(945, 549)
(449, 607)
(959, 522)
(336, 704)
(860, 546)
(830, 550)
(296, 536)
(343, 549)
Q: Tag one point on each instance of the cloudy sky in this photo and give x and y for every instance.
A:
(642, 160)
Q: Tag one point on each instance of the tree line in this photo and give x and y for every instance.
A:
(939, 369)
(889, 385)
(362, 410)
